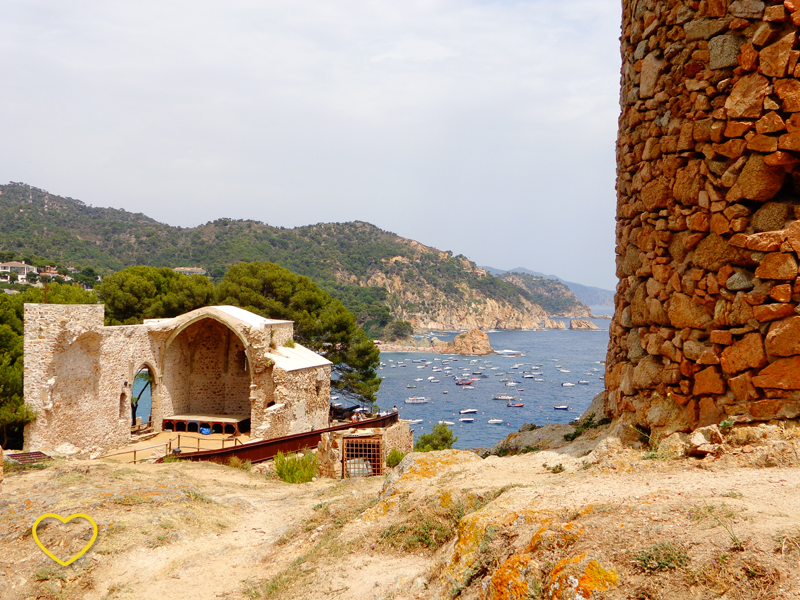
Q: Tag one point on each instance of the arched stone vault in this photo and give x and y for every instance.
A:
(708, 186)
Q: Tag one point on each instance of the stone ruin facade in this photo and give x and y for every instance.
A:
(706, 326)
(220, 360)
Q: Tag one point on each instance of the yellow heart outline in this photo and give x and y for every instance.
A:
(64, 521)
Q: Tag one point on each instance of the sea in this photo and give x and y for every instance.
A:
(553, 351)
(556, 356)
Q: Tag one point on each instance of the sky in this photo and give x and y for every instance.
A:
(482, 127)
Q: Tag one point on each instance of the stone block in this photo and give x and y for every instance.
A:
(777, 265)
(783, 338)
(772, 312)
(788, 91)
(724, 51)
(759, 181)
(783, 374)
(708, 381)
(746, 99)
(747, 353)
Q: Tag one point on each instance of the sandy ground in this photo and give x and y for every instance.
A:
(193, 530)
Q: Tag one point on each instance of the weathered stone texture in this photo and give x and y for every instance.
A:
(78, 374)
(708, 229)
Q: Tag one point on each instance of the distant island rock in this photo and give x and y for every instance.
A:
(474, 342)
(583, 325)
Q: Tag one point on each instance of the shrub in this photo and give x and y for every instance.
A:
(663, 556)
(394, 457)
(238, 463)
(300, 468)
(441, 438)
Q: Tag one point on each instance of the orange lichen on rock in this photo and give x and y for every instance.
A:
(511, 581)
(578, 578)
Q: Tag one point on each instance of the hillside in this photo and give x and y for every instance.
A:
(380, 276)
(587, 520)
(552, 295)
(589, 295)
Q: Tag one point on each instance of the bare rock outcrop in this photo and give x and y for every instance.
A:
(473, 342)
(583, 324)
(553, 324)
(708, 216)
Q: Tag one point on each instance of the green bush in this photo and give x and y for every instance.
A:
(394, 457)
(300, 468)
(663, 556)
(441, 438)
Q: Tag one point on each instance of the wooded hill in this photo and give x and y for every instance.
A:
(378, 275)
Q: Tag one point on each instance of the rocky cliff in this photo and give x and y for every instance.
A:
(552, 295)
(429, 307)
(554, 324)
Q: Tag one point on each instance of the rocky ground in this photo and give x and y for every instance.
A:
(589, 519)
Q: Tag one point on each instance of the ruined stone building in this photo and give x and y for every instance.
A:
(216, 361)
(708, 237)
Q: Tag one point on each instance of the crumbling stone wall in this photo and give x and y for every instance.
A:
(706, 326)
(79, 373)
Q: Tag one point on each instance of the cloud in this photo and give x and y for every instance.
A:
(482, 127)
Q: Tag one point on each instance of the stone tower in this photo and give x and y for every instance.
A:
(708, 184)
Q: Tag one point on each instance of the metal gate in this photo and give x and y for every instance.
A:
(363, 456)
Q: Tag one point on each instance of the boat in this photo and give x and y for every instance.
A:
(411, 385)
(417, 400)
(463, 381)
(515, 404)
(444, 392)
(561, 407)
(415, 421)
(434, 381)
(527, 376)
(565, 371)
(468, 411)
(509, 352)
(538, 379)
(495, 421)
(419, 379)
(507, 397)
(467, 419)
(446, 423)
(469, 387)
(583, 382)
(567, 384)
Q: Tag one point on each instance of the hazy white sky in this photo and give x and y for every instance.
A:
(482, 127)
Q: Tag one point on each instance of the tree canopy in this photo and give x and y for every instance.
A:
(139, 293)
(321, 322)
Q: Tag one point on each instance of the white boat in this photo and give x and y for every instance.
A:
(446, 423)
(431, 377)
(527, 376)
(434, 381)
(567, 384)
(417, 400)
(565, 371)
(508, 396)
(561, 407)
(538, 379)
(467, 419)
(419, 379)
(495, 421)
(583, 382)
(411, 385)
(468, 411)
(415, 421)
(468, 387)
(509, 352)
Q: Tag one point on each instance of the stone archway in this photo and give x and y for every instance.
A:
(144, 393)
(205, 370)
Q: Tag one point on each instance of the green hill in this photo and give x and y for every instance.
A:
(380, 276)
(552, 295)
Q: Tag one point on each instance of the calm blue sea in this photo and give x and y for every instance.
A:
(579, 352)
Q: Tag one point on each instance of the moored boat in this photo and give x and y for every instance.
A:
(417, 400)
(561, 407)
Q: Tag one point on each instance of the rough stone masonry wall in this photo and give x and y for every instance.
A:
(706, 325)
